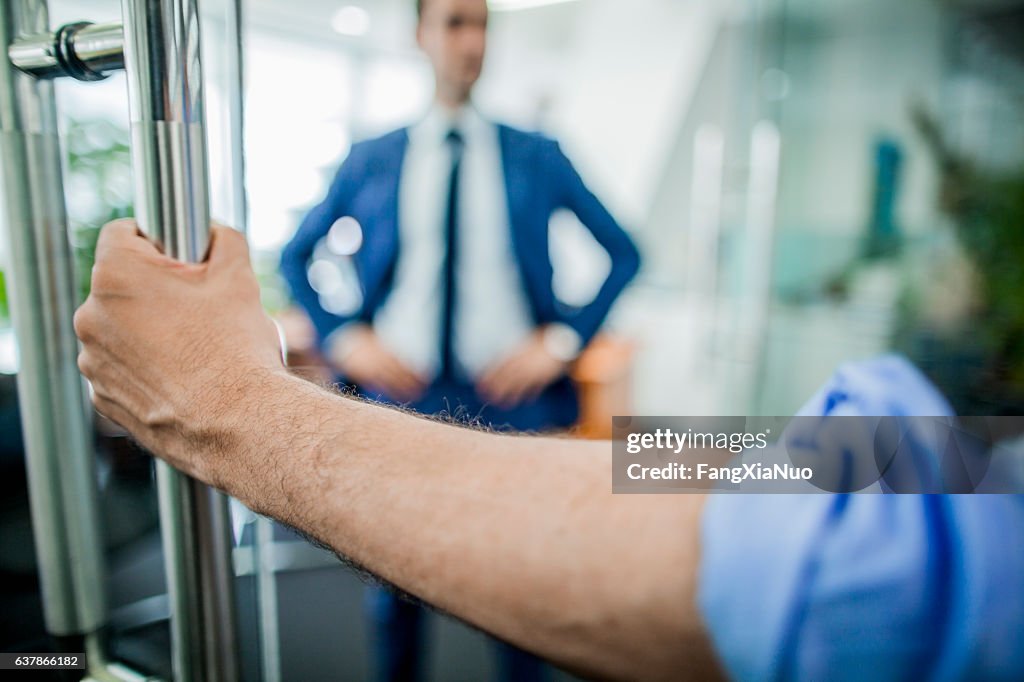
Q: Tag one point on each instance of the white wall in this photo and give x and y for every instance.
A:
(627, 83)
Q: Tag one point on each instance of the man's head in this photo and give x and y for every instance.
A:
(453, 34)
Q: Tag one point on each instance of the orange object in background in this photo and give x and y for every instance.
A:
(603, 374)
(604, 380)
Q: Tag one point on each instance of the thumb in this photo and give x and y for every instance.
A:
(227, 247)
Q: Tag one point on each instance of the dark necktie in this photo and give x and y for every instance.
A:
(448, 366)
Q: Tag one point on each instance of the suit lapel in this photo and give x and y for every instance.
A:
(379, 254)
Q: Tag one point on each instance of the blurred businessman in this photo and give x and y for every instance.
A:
(458, 314)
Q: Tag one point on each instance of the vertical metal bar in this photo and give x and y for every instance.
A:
(266, 585)
(162, 60)
(706, 211)
(266, 577)
(54, 410)
(236, 110)
(759, 242)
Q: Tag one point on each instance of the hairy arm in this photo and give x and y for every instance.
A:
(519, 536)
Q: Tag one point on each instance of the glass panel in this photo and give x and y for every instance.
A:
(898, 213)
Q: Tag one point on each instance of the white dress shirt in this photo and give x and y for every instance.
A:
(492, 315)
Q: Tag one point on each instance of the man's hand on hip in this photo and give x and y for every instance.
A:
(522, 375)
(363, 358)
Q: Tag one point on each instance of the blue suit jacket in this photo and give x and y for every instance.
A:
(539, 181)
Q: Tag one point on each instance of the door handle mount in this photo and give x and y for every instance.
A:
(82, 50)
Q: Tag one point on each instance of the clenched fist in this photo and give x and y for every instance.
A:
(171, 347)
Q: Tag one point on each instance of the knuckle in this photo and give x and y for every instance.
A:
(99, 395)
(104, 407)
(157, 416)
(83, 323)
(84, 365)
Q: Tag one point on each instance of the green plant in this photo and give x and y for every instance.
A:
(98, 187)
(987, 209)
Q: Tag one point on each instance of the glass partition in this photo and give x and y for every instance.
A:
(899, 198)
(810, 182)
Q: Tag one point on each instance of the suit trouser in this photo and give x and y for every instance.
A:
(397, 625)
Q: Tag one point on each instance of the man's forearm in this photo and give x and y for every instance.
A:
(520, 536)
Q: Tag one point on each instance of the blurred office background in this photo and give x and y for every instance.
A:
(810, 182)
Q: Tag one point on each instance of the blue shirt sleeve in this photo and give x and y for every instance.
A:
(866, 587)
